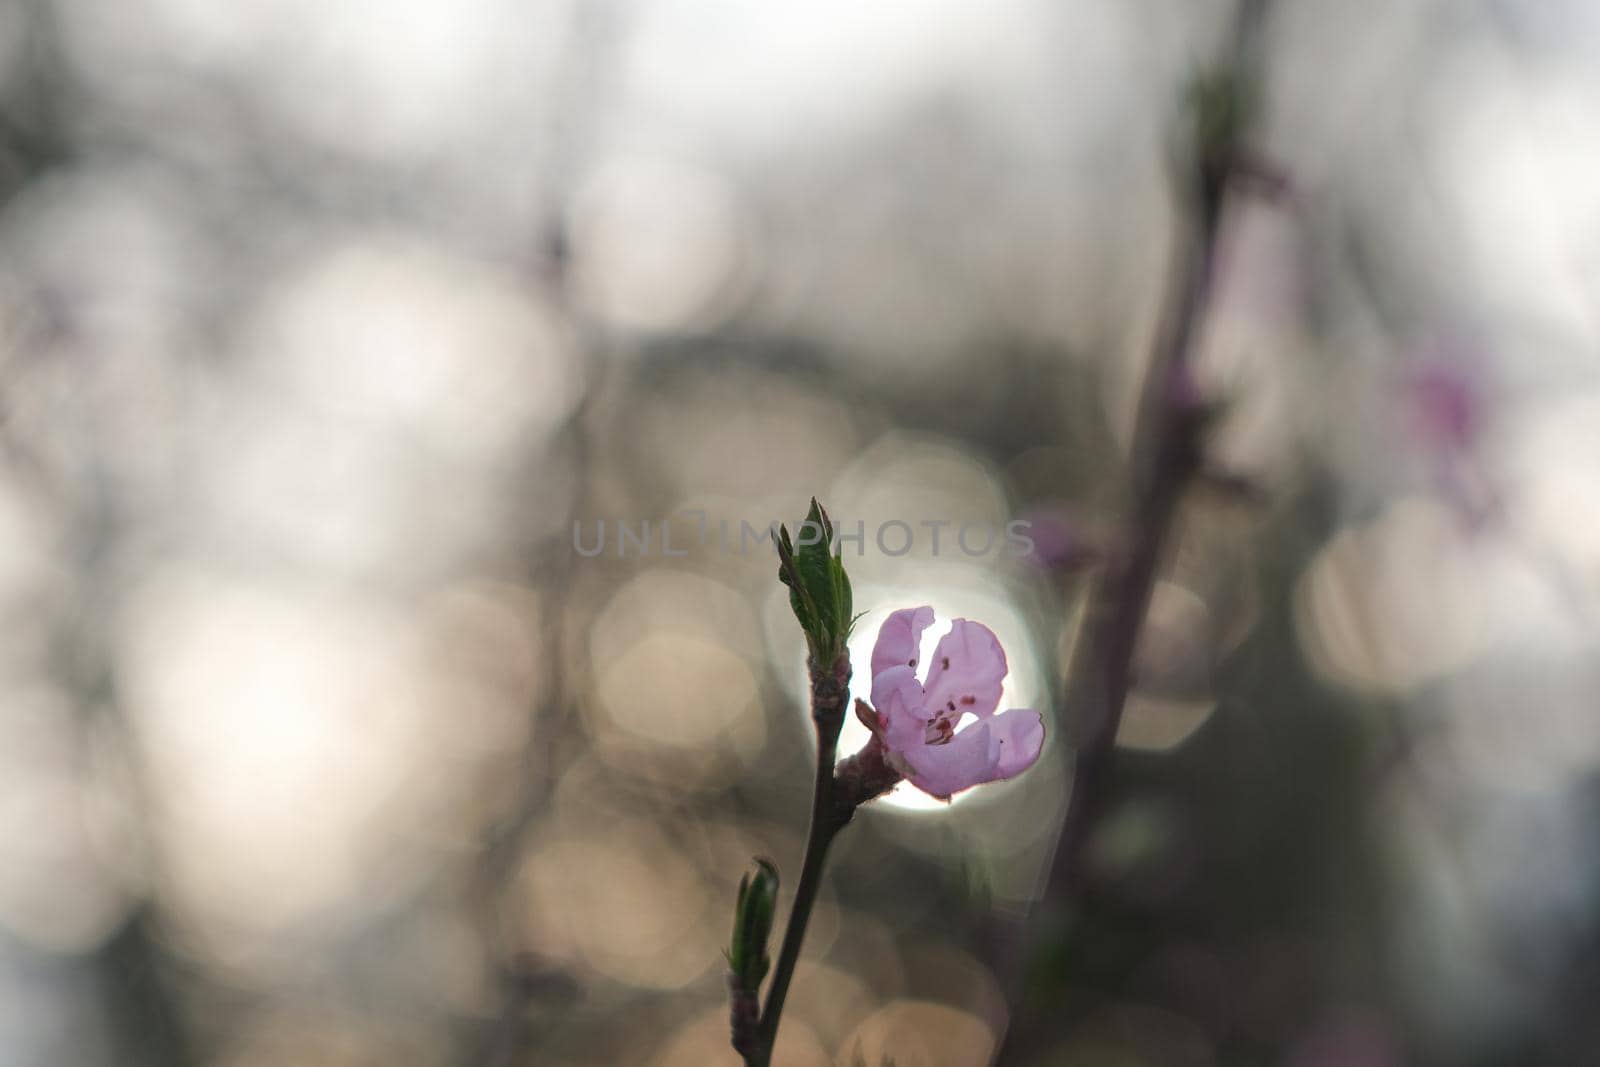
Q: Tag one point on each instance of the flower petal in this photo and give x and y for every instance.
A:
(1020, 733)
(900, 639)
(897, 698)
(966, 671)
(968, 759)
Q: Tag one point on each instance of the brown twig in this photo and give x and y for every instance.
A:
(830, 688)
(1166, 455)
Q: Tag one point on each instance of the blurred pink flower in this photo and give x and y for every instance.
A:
(1059, 540)
(916, 721)
(1448, 411)
(1447, 405)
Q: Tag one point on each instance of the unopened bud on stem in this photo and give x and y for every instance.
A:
(819, 589)
(752, 925)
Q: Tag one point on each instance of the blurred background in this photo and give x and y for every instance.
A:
(323, 327)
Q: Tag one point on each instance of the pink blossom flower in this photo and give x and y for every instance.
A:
(919, 723)
(1447, 405)
(1449, 412)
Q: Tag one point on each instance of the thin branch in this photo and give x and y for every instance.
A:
(829, 690)
(1166, 454)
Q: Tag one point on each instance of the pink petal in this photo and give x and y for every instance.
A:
(968, 759)
(897, 697)
(899, 639)
(966, 670)
(1021, 736)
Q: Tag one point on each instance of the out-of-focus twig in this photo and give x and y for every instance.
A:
(830, 688)
(1166, 454)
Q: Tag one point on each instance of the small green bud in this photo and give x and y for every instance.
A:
(819, 589)
(752, 925)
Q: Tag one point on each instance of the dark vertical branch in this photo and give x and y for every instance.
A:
(1166, 453)
(830, 689)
